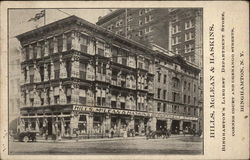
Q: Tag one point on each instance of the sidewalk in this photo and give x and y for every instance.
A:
(41, 139)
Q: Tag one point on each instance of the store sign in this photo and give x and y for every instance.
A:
(111, 111)
(126, 112)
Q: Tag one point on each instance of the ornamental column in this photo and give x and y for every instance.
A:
(46, 48)
(28, 74)
(27, 98)
(37, 77)
(37, 100)
(45, 98)
(131, 124)
(75, 94)
(31, 56)
(52, 71)
(51, 95)
(22, 98)
(62, 95)
(169, 124)
(64, 47)
(23, 54)
(55, 50)
(22, 80)
(38, 55)
(74, 41)
(89, 118)
(181, 127)
(62, 126)
(63, 71)
(37, 125)
(46, 76)
(75, 67)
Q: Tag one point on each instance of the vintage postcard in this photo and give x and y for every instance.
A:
(124, 80)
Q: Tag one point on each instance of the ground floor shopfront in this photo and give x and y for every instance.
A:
(88, 122)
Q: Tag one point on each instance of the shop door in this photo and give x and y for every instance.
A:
(49, 126)
(175, 127)
(137, 125)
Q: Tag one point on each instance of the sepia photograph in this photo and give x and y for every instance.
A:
(105, 81)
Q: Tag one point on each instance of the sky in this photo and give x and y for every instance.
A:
(18, 19)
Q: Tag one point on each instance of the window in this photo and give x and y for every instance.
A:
(188, 99)
(140, 12)
(176, 40)
(51, 45)
(119, 23)
(122, 105)
(189, 85)
(113, 104)
(69, 41)
(82, 96)
(129, 18)
(195, 111)
(165, 79)
(82, 68)
(41, 70)
(189, 48)
(194, 100)
(189, 36)
(189, 110)
(100, 48)
(140, 33)
(159, 107)
(147, 19)
(176, 82)
(159, 77)
(164, 94)
(164, 107)
(189, 24)
(184, 98)
(194, 88)
(114, 54)
(128, 28)
(175, 29)
(159, 93)
(57, 70)
(31, 69)
(60, 43)
(83, 44)
(140, 22)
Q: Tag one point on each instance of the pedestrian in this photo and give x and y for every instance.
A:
(46, 135)
(112, 132)
(77, 135)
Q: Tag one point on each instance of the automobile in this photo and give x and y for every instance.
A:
(26, 136)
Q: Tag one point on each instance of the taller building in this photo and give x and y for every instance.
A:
(144, 25)
(76, 75)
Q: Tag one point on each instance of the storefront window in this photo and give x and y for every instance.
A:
(97, 124)
(82, 125)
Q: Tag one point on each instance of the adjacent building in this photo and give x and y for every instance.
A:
(79, 76)
(144, 25)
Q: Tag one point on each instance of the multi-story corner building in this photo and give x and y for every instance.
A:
(144, 25)
(76, 75)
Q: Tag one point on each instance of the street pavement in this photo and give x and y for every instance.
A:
(116, 146)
